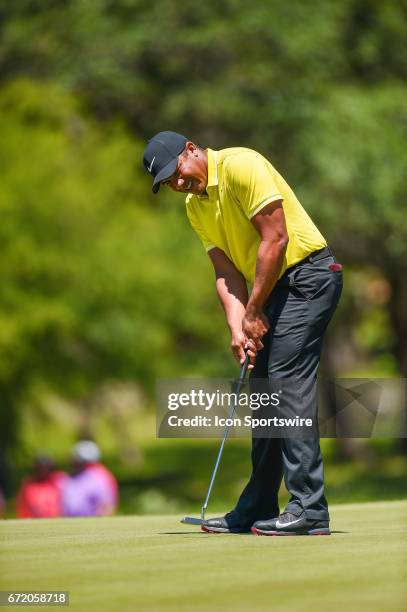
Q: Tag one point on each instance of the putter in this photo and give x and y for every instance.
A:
(190, 520)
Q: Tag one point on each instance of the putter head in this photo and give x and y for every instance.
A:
(190, 520)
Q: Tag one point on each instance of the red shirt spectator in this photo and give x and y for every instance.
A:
(40, 494)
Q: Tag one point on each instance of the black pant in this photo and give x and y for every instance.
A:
(299, 309)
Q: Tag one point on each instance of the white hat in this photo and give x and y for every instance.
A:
(86, 452)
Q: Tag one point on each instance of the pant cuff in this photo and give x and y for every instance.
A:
(314, 515)
(317, 515)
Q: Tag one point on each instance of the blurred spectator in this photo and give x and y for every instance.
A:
(91, 490)
(40, 493)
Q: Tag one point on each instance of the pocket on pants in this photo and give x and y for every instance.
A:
(310, 281)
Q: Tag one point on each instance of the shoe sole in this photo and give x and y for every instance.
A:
(214, 529)
(222, 530)
(312, 532)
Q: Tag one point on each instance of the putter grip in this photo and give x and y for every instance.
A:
(243, 369)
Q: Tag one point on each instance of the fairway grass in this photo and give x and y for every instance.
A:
(156, 563)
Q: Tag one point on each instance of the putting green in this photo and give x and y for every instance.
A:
(156, 563)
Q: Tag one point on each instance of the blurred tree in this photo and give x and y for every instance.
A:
(317, 86)
(359, 156)
(207, 68)
(88, 287)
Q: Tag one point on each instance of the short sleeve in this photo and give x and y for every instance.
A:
(252, 182)
(197, 227)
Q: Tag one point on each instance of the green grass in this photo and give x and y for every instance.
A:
(156, 563)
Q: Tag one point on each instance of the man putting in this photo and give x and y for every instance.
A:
(255, 231)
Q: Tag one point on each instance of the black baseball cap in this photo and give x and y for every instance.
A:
(161, 156)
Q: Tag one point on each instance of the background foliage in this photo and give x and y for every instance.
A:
(101, 281)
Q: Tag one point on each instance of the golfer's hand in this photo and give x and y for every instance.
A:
(254, 325)
(240, 345)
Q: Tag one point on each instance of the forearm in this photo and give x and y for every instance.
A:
(232, 292)
(270, 258)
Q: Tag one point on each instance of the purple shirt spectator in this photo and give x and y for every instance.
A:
(90, 492)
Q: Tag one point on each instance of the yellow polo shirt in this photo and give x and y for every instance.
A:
(240, 183)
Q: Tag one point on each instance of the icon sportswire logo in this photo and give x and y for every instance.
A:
(150, 167)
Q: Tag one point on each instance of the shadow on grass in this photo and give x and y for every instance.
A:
(202, 533)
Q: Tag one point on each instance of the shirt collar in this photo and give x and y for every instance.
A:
(212, 168)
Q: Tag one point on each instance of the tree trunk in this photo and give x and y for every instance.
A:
(398, 319)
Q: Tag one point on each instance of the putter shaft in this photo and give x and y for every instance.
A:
(239, 383)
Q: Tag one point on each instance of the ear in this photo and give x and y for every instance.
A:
(190, 147)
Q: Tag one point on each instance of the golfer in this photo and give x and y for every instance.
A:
(256, 233)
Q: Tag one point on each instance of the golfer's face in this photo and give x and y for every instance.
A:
(190, 175)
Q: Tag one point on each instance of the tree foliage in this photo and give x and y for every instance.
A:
(88, 286)
(101, 279)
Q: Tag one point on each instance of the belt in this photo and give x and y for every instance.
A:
(315, 256)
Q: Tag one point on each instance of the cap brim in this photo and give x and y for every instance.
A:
(164, 174)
